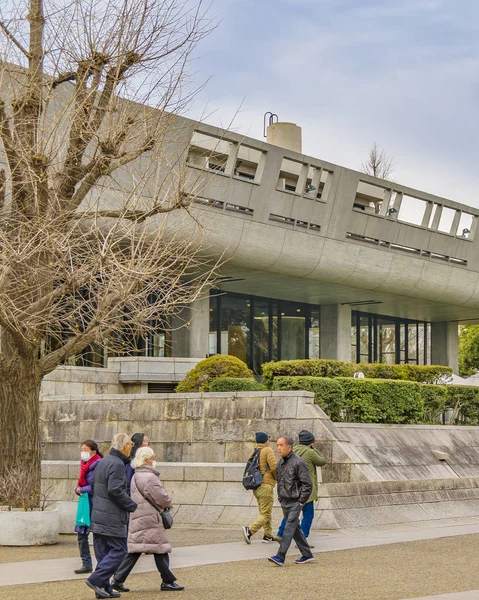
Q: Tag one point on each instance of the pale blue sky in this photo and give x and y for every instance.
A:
(350, 72)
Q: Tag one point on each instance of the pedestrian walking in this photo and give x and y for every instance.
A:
(294, 490)
(139, 440)
(89, 456)
(111, 505)
(313, 459)
(147, 534)
(264, 493)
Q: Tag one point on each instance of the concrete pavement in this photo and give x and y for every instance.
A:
(51, 570)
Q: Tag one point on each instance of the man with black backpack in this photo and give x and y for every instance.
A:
(260, 476)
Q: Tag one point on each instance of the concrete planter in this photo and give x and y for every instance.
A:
(37, 528)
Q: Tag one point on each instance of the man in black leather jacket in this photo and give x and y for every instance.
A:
(111, 505)
(294, 489)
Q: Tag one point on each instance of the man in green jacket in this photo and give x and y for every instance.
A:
(313, 459)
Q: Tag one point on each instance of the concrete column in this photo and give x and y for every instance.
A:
(191, 328)
(335, 332)
(444, 344)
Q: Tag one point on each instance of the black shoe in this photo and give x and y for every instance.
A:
(118, 586)
(82, 570)
(268, 539)
(101, 592)
(247, 535)
(171, 587)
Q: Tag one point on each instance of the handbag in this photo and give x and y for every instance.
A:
(165, 513)
(83, 518)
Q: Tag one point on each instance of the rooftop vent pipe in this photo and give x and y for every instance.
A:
(285, 135)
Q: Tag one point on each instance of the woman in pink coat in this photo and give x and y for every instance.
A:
(146, 534)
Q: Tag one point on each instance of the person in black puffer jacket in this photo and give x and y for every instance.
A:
(111, 505)
(294, 488)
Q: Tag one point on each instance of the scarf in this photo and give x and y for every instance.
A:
(84, 468)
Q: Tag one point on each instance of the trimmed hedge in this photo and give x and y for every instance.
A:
(328, 393)
(435, 398)
(336, 368)
(362, 400)
(320, 367)
(236, 384)
(214, 367)
(382, 401)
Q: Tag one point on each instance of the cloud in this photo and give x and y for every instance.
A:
(351, 73)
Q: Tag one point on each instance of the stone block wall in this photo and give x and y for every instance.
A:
(212, 494)
(194, 428)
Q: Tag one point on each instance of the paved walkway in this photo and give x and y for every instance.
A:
(41, 571)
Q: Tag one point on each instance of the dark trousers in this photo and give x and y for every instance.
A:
(306, 521)
(292, 531)
(162, 562)
(109, 553)
(84, 548)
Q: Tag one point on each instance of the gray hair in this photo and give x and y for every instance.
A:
(141, 455)
(120, 440)
(289, 440)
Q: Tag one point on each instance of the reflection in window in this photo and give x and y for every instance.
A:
(261, 331)
(234, 318)
(293, 331)
(314, 351)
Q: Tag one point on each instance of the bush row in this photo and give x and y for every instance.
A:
(386, 401)
(336, 368)
(236, 384)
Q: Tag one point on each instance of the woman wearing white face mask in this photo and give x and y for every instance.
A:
(146, 533)
(90, 455)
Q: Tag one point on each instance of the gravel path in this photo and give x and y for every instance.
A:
(391, 572)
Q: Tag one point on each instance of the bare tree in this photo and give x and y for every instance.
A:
(379, 163)
(96, 240)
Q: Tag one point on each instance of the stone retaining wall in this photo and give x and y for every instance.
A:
(212, 494)
(184, 428)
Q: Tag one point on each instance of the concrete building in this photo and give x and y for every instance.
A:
(322, 261)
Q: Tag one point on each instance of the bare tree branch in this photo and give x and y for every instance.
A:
(13, 39)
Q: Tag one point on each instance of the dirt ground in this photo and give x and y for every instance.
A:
(392, 572)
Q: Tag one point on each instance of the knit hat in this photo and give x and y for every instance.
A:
(261, 437)
(306, 438)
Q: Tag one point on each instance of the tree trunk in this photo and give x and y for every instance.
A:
(20, 381)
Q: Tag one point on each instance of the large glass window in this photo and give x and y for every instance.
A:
(378, 338)
(258, 330)
(235, 318)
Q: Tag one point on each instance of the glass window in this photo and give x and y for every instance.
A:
(314, 350)
(387, 341)
(293, 330)
(364, 354)
(261, 331)
(213, 335)
(235, 327)
(412, 339)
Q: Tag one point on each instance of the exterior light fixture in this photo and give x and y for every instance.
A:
(391, 211)
(309, 188)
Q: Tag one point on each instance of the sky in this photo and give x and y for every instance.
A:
(403, 74)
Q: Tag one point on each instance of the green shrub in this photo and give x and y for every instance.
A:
(465, 401)
(328, 393)
(381, 401)
(336, 368)
(306, 368)
(236, 384)
(435, 398)
(214, 367)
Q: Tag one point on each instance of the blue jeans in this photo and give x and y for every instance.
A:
(306, 522)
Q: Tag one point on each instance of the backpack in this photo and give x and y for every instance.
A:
(252, 477)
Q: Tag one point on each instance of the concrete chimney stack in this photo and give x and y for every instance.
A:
(285, 135)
